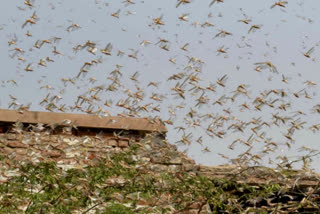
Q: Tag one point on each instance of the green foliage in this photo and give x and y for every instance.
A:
(117, 185)
(118, 209)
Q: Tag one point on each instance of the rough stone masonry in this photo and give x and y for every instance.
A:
(76, 141)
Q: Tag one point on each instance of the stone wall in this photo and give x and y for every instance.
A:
(72, 146)
(70, 151)
(157, 155)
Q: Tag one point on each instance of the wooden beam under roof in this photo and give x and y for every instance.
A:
(84, 120)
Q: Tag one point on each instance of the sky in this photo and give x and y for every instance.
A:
(284, 35)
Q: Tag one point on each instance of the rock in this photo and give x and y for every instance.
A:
(112, 142)
(54, 154)
(16, 144)
(12, 137)
(123, 143)
(21, 151)
(190, 167)
(195, 205)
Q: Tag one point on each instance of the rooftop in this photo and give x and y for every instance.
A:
(83, 120)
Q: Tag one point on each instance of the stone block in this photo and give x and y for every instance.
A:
(158, 168)
(16, 144)
(174, 168)
(21, 151)
(6, 151)
(189, 167)
(45, 138)
(54, 154)
(123, 143)
(12, 137)
(20, 158)
(195, 205)
(176, 160)
(112, 142)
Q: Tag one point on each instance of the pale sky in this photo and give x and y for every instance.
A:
(284, 35)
